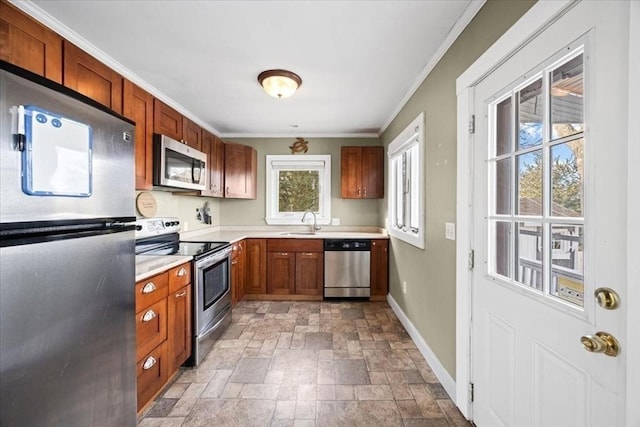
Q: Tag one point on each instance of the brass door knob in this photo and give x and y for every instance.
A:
(601, 342)
(607, 298)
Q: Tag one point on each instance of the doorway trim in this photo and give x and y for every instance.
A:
(536, 20)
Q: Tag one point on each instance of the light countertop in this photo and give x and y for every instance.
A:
(150, 265)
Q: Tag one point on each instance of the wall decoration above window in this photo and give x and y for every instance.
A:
(300, 146)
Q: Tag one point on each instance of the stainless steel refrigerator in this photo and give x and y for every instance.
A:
(67, 264)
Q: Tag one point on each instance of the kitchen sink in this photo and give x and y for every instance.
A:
(299, 233)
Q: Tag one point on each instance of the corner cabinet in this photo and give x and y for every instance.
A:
(28, 44)
(240, 171)
(163, 329)
(362, 172)
(379, 269)
(213, 147)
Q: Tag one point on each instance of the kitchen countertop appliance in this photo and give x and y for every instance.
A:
(211, 277)
(67, 265)
(347, 264)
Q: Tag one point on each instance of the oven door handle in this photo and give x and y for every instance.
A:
(213, 258)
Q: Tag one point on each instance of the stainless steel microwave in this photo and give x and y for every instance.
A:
(177, 165)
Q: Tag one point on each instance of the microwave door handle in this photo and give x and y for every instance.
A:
(193, 171)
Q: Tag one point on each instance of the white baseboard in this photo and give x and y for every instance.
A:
(445, 379)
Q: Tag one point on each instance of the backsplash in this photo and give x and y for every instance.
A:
(193, 212)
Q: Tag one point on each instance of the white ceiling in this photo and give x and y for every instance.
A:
(359, 60)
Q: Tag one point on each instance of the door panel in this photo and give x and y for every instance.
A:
(540, 253)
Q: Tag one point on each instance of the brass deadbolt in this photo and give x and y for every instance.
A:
(607, 298)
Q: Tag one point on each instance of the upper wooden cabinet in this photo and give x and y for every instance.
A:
(138, 106)
(191, 134)
(362, 172)
(167, 121)
(214, 148)
(240, 171)
(85, 74)
(28, 44)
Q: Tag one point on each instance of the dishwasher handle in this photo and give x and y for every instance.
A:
(347, 245)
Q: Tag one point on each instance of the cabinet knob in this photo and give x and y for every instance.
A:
(358, 191)
(365, 192)
(149, 287)
(148, 316)
(182, 272)
(148, 364)
(227, 190)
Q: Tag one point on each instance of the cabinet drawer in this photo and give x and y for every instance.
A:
(151, 328)
(179, 277)
(295, 245)
(151, 290)
(152, 373)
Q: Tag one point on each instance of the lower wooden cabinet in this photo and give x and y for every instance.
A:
(295, 267)
(237, 271)
(379, 269)
(255, 281)
(179, 327)
(163, 329)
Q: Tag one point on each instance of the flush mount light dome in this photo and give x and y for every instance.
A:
(279, 83)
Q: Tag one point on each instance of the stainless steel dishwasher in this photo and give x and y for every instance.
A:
(347, 268)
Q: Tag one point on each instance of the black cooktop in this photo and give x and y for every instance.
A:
(171, 245)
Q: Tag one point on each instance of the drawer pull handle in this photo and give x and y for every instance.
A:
(149, 287)
(182, 272)
(148, 316)
(148, 364)
(181, 294)
(308, 253)
(284, 254)
(234, 262)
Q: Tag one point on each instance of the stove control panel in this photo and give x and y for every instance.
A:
(149, 227)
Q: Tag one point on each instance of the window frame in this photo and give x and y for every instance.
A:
(412, 136)
(298, 162)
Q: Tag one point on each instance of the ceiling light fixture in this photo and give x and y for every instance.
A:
(279, 83)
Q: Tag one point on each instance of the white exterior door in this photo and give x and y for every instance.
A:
(549, 226)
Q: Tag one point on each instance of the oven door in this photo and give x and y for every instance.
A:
(213, 291)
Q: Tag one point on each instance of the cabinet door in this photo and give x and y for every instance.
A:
(179, 328)
(138, 106)
(309, 273)
(256, 266)
(281, 273)
(152, 374)
(214, 148)
(351, 172)
(191, 134)
(166, 120)
(372, 172)
(85, 74)
(237, 271)
(240, 171)
(151, 328)
(28, 44)
(379, 267)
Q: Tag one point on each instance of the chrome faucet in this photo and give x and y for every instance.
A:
(315, 223)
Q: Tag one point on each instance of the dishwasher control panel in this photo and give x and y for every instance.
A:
(347, 245)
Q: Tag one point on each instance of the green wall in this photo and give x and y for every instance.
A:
(252, 212)
(431, 273)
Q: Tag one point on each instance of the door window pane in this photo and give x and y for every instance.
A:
(504, 127)
(530, 183)
(503, 187)
(567, 259)
(530, 115)
(502, 244)
(529, 251)
(567, 89)
(567, 182)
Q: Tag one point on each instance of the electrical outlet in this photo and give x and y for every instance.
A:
(335, 221)
(404, 287)
(450, 230)
(185, 225)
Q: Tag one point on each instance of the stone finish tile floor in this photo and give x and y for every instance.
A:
(319, 364)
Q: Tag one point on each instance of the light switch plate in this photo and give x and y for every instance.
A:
(450, 231)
